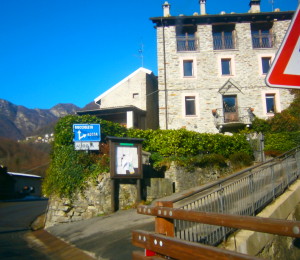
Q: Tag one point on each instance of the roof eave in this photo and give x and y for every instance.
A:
(232, 17)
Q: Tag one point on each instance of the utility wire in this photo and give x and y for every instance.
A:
(37, 167)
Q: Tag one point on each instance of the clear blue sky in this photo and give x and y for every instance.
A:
(71, 51)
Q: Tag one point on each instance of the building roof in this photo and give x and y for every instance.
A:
(223, 18)
(23, 175)
(121, 82)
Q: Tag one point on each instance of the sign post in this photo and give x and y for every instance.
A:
(285, 70)
(86, 136)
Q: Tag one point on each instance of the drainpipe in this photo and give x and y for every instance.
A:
(165, 76)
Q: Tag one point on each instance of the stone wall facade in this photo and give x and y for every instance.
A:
(207, 84)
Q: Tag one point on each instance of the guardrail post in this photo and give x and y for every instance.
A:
(273, 182)
(222, 208)
(163, 225)
(252, 194)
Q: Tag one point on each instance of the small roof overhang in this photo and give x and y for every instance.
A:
(112, 110)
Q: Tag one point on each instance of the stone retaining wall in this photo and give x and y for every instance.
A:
(96, 198)
(183, 180)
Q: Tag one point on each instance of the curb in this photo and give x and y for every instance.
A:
(54, 247)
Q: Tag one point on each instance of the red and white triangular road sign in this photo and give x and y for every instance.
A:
(285, 70)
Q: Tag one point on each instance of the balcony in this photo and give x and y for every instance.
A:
(186, 43)
(224, 42)
(263, 40)
(227, 120)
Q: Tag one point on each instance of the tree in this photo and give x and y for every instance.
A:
(289, 119)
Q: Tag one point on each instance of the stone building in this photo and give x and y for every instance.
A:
(212, 68)
(133, 102)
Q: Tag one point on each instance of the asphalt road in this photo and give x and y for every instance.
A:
(107, 237)
(15, 220)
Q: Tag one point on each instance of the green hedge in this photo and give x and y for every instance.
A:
(189, 143)
(70, 169)
(281, 142)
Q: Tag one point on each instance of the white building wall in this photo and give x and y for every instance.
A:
(130, 92)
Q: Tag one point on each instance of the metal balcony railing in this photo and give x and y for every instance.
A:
(224, 42)
(185, 43)
(263, 40)
(241, 115)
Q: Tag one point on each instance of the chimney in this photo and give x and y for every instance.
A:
(254, 6)
(202, 6)
(166, 8)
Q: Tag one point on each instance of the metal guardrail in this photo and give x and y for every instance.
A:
(243, 193)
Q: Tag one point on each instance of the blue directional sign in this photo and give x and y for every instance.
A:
(86, 132)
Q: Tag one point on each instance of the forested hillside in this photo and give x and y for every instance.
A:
(24, 158)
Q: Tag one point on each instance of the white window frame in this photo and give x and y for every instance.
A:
(260, 67)
(232, 65)
(277, 102)
(193, 59)
(196, 105)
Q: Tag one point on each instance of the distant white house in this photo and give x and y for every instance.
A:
(133, 102)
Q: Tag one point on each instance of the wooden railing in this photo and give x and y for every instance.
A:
(162, 244)
(193, 222)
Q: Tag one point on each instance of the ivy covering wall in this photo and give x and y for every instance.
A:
(69, 169)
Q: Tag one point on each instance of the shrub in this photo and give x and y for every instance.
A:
(210, 160)
(260, 125)
(240, 159)
(281, 142)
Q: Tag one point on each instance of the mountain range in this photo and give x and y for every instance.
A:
(18, 122)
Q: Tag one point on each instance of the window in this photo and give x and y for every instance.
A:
(229, 103)
(190, 105)
(186, 39)
(223, 37)
(135, 95)
(270, 103)
(265, 64)
(188, 68)
(226, 66)
(262, 36)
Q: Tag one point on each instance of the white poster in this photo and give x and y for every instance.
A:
(127, 160)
